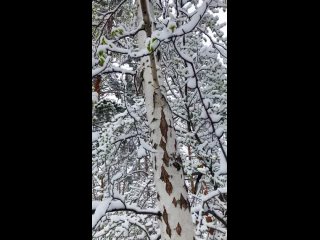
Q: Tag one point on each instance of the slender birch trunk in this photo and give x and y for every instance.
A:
(175, 222)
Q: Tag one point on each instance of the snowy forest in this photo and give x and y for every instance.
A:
(159, 119)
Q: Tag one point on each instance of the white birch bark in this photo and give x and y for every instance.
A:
(176, 222)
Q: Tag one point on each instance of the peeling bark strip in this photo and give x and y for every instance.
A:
(165, 219)
(178, 229)
(165, 178)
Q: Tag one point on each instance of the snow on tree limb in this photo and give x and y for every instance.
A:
(100, 208)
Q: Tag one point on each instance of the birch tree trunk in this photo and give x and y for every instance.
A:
(175, 222)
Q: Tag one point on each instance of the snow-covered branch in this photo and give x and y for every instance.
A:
(100, 208)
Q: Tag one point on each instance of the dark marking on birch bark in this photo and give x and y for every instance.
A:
(164, 131)
(177, 166)
(169, 187)
(165, 178)
(155, 162)
(158, 196)
(178, 159)
(164, 174)
(165, 219)
(155, 146)
(154, 100)
(166, 158)
(174, 201)
(178, 229)
(183, 202)
(189, 205)
(96, 84)
(163, 125)
(163, 145)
